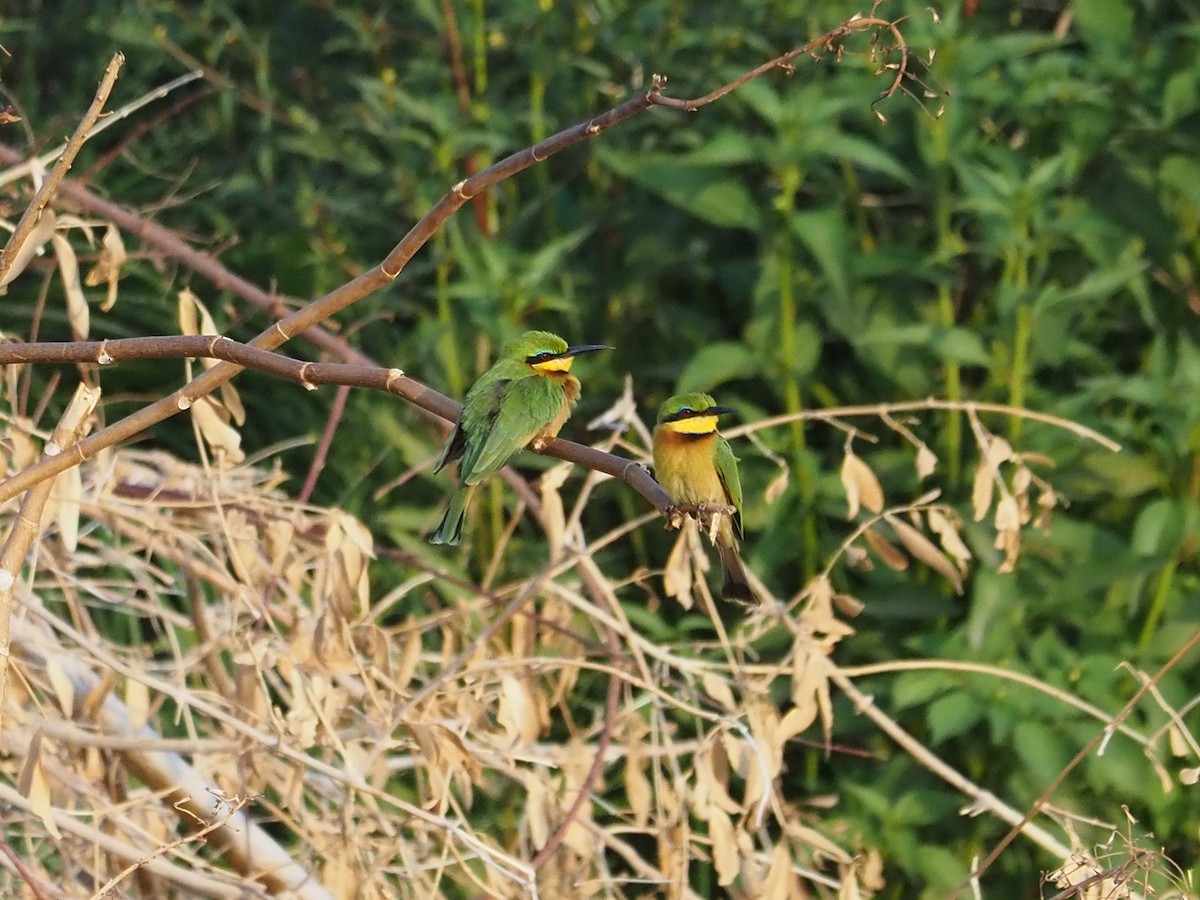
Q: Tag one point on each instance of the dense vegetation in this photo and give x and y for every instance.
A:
(1026, 233)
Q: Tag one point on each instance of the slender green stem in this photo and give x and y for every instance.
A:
(448, 344)
(793, 398)
(952, 374)
(1020, 363)
(1023, 335)
(943, 212)
(1162, 590)
(479, 45)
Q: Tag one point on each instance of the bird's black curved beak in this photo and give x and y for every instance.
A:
(583, 348)
(716, 411)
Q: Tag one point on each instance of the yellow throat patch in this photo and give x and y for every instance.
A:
(561, 364)
(693, 425)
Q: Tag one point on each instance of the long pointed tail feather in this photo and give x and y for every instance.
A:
(736, 586)
(449, 530)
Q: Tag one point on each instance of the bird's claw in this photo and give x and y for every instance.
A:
(674, 516)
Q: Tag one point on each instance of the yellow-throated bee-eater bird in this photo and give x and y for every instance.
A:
(695, 465)
(526, 396)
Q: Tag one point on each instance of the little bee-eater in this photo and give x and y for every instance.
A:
(695, 465)
(527, 395)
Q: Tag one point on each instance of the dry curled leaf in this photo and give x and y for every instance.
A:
(946, 529)
(64, 688)
(211, 421)
(68, 495)
(982, 489)
(638, 790)
(34, 784)
(42, 232)
(1008, 532)
(887, 552)
(926, 462)
(554, 517)
(727, 860)
(68, 267)
(998, 451)
(781, 882)
(926, 551)
(718, 689)
(777, 486)
(107, 270)
(518, 712)
(862, 487)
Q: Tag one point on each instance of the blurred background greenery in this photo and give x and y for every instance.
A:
(1037, 244)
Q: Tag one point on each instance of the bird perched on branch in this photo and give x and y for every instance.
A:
(697, 468)
(525, 396)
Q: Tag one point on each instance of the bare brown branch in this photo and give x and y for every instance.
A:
(830, 42)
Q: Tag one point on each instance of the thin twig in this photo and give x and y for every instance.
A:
(883, 410)
(824, 44)
(45, 194)
(951, 665)
(336, 410)
(30, 879)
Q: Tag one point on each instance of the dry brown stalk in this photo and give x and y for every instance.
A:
(46, 192)
(28, 524)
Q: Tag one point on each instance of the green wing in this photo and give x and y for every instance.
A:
(524, 407)
(727, 471)
(480, 407)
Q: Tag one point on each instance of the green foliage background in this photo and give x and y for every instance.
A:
(1037, 244)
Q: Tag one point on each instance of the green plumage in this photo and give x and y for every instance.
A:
(527, 394)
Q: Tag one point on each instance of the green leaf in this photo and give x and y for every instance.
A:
(1108, 23)
(827, 237)
(1158, 528)
(1099, 285)
(867, 155)
(960, 345)
(1126, 474)
(918, 688)
(718, 363)
(1182, 175)
(952, 715)
(726, 148)
(708, 193)
(942, 870)
(1180, 96)
(1040, 749)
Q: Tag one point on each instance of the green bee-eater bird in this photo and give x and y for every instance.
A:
(695, 465)
(527, 395)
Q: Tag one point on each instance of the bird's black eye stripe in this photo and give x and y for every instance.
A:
(541, 356)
